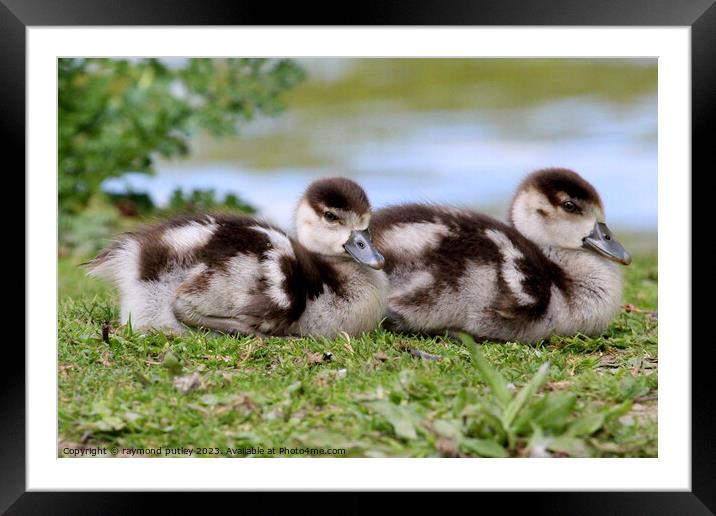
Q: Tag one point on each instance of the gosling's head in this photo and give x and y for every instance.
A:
(332, 219)
(556, 207)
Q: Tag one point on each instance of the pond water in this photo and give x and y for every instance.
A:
(466, 142)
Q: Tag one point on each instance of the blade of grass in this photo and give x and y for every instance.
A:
(585, 425)
(492, 377)
(483, 447)
(398, 417)
(527, 392)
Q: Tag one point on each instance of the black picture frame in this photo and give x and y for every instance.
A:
(17, 15)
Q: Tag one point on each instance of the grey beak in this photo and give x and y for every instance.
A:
(360, 247)
(602, 241)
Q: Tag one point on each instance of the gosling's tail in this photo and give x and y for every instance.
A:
(113, 259)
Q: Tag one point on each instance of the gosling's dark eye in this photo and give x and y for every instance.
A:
(330, 216)
(569, 206)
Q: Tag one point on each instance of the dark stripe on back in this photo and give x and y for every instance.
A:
(153, 259)
(155, 256)
(233, 236)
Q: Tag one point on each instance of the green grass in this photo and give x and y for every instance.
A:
(597, 397)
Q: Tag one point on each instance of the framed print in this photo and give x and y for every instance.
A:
(438, 249)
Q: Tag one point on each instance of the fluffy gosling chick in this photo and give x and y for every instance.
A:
(553, 271)
(237, 274)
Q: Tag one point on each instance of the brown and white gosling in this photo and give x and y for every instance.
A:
(553, 271)
(237, 274)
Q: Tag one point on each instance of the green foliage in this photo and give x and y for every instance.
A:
(205, 200)
(84, 233)
(528, 415)
(119, 115)
(132, 203)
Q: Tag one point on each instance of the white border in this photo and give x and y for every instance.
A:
(670, 471)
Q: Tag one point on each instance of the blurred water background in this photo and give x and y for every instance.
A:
(455, 131)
